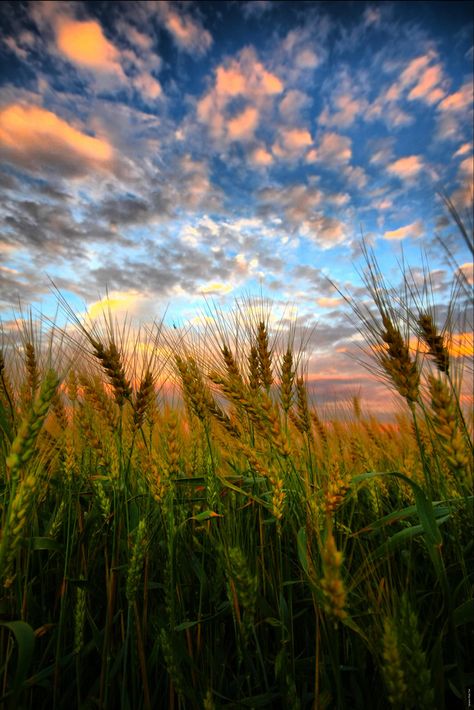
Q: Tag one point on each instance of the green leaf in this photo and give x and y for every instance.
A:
(205, 515)
(45, 543)
(186, 625)
(464, 614)
(25, 640)
(302, 549)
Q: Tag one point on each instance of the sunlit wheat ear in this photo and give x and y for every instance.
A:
(253, 369)
(271, 474)
(392, 666)
(332, 583)
(448, 431)
(95, 395)
(398, 364)
(435, 342)
(287, 378)
(233, 371)
(264, 356)
(143, 399)
(193, 387)
(71, 385)
(356, 407)
(15, 529)
(111, 362)
(336, 488)
(302, 417)
(32, 374)
(23, 446)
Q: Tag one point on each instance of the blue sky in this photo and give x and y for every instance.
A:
(172, 151)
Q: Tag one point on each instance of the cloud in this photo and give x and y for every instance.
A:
(463, 149)
(187, 31)
(34, 138)
(300, 206)
(293, 104)
(406, 168)
(242, 77)
(355, 176)
(427, 87)
(255, 8)
(292, 142)
(420, 80)
(467, 270)
(296, 53)
(243, 126)
(455, 113)
(458, 101)
(84, 43)
(332, 149)
(261, 156)
(415, 229)
(329, 302)
(346, 108)
(324, 230)
(215, 287)
(148, 86)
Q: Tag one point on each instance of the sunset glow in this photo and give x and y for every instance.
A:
(173, 154)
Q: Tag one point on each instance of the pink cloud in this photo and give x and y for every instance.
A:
(243, 126)
(427, 87)
(406, 168)
(334, 149)
(459, 100)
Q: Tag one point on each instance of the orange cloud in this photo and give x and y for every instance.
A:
(468, 272)
(296, 139)
(245, 77)
(243, 126)
(415, 229)
(33, 132)
(465, 148)
(329, 302)
(84, 43)
(260, 156)
(406, 168)
(230, 81)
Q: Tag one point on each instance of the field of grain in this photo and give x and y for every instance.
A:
(225, 544)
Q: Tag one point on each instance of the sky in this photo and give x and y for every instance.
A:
(170, 154)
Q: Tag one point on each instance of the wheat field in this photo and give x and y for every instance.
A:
(183, 527)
